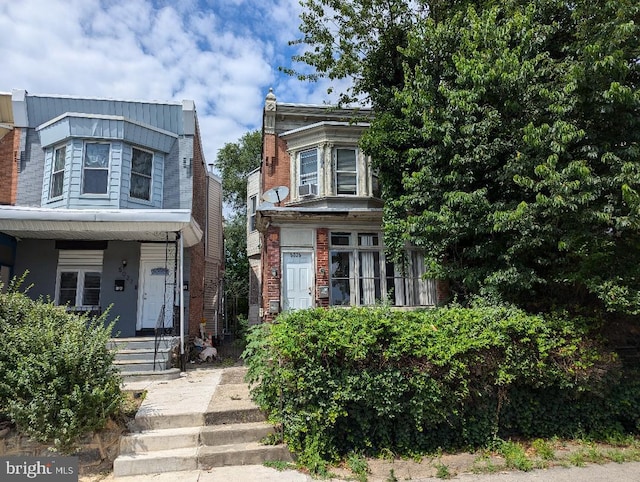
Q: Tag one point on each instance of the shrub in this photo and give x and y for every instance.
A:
(57, 379)
(363, 380)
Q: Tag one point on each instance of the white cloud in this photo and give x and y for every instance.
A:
(222, 54)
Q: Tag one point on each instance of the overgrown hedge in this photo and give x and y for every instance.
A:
(371, 379)
(57, 379)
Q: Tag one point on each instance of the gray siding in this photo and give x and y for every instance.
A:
(31, 170)
(163, 116)
(40, 258)
(178, 178)
(124, 304)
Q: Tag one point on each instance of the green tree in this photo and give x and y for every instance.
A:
(506, 138)
(235, 161)
(511, 155)
(236, 278)
(358, 40)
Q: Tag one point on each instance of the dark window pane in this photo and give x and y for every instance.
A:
(141, 162)
(95, 181)
(68, 288)
(339, 264)
(340, 239)
(140, 187)
(91, 293)
(57, 180)
(340, 292)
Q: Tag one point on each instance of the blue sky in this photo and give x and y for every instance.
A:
(223, 54)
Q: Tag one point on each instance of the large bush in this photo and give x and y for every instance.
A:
(57, 379)
(371, 379)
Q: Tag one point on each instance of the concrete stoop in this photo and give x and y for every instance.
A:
(137, 358)
(228, 433)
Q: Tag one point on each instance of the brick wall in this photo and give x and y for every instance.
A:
(276, 166)
(322, 260)
(271, 259)
(442, 291)
(9, 148)
(197, 252)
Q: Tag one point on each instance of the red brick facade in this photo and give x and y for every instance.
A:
(276, 167)
(271, 270)
(9, 155)
(197, 252)
(322, 264)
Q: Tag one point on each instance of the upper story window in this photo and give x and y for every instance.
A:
(95, 168)
(57, 172)
(253, 203)
(308, 172)
(141, 168)
(346, 171)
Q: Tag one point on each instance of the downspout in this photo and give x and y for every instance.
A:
(180, 287)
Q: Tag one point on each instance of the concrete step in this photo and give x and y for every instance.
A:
(250, 453)
(142, 343)
(235, 433)
(141, 365)
(133, 378)
(145, 353)
(159, 440)
(173, 460)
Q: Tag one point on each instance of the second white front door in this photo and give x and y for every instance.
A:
(297, 280)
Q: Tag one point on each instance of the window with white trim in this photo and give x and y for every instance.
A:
(346, 171)
(57, 172)
(79, 288)
(141, 169)
(95, 168)
(360, 275)
(308, 172)
(79, 278)
(253, 204)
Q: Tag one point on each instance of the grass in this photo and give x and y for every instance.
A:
(442, 471)
(357, 463)
(280, 465)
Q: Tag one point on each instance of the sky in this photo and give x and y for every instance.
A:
(222, 54)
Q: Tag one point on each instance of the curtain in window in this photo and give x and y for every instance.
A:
(367, 272)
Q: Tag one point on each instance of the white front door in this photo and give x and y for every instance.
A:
(153, 294)
(297, 282)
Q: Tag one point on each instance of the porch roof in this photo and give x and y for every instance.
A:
(93, 224)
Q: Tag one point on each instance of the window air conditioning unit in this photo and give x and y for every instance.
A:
(308, 189)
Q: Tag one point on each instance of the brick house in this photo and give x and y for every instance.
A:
(314, 224)
(110, 203)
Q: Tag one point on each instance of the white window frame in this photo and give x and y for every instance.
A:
(80, 286)
(253, 205)
(85, 169)
(366, 289)
(57, 172)
(337, 172)
(308, 178)
(139, 174)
